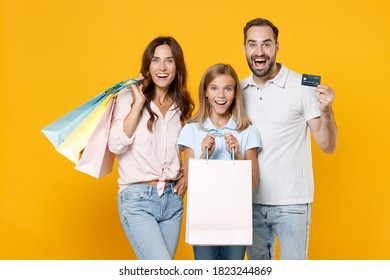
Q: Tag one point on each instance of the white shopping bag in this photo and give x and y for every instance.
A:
(219, 202)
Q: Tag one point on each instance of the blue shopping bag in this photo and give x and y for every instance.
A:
(60, 129)
(57, 131)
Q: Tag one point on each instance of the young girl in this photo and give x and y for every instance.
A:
(146, 124)
(220, 111)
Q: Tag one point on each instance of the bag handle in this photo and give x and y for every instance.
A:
(207, 150)
(121, 85)
(207, 154)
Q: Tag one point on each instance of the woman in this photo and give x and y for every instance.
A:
(147, 120)
(221, 112)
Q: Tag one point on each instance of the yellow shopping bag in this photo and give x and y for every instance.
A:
(96, 159)
(74, 144)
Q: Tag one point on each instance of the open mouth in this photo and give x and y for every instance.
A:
(260, 62)
(221, 102)
(162, 76)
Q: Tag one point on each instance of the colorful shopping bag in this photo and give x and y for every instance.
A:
(57, 131)
(96, 159)
(71, 133)
(219, 202)
(75, 143)
(60, 129)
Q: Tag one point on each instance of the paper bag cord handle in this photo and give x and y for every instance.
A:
(121, 85)
(207, 153)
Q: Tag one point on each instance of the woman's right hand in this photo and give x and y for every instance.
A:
(208, 143)
(131, 121)
(138, 94)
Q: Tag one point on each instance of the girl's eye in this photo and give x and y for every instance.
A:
(154, 59)
(170, 60)
(229, 89)
(213, 88)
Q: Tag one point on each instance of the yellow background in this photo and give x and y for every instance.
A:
(56, 55)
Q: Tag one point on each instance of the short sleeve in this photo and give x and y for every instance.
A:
(187, 136)
(253, 140)
(310, 105)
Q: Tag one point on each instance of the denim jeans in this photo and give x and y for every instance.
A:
(151, 223)
(219, 252)
(290, 223)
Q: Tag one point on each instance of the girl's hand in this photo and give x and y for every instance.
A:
(232, 143)
(208, 143)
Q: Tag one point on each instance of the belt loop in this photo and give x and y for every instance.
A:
(150, 191)
(170, 186)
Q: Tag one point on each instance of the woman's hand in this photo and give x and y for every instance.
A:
(131, 121)
(138, 94)
(180, 187)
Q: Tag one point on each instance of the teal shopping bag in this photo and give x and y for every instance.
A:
(57, 131)
(60, 129)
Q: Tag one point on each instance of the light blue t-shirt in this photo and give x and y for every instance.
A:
(192, 135)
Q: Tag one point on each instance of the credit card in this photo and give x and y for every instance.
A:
(310, 80)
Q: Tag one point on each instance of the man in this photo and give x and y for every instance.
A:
(284, 111)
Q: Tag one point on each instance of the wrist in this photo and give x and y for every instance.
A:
(137, 106)
(238, 156)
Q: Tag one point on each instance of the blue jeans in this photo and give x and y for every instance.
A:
(151, 223)
(219, 252)
(290, 223)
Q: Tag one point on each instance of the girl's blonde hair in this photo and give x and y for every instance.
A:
(236, 108)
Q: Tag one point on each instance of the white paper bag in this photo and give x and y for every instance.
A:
(219, 202)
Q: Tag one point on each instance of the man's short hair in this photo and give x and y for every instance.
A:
(261, 22)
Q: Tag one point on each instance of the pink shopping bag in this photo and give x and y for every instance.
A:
(96, 159)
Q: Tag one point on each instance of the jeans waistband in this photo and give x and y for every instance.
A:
(150, 188)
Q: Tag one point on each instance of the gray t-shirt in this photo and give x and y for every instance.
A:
(280, 110)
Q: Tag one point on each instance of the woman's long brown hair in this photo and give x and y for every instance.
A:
(177, 89)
